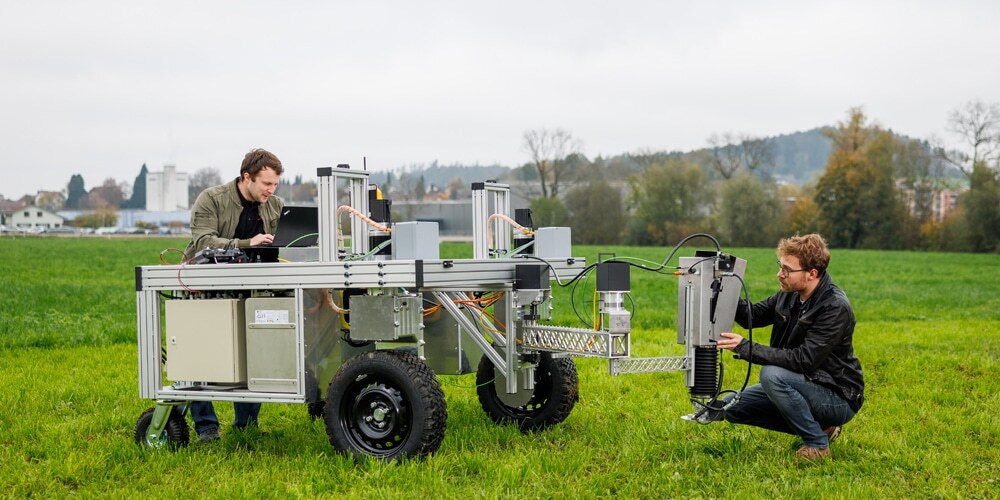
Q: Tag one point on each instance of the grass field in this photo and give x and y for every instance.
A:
(928, 336)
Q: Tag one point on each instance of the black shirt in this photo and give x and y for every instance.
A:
(251, 224)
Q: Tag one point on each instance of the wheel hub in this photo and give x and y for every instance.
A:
(378, 416)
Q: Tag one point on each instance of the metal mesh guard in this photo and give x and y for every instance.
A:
(649, 365)
(576, 341)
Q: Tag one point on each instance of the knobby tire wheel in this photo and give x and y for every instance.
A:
(556, 392)
(174, 435)
(385, 404)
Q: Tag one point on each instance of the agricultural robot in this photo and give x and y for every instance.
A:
(358, 326)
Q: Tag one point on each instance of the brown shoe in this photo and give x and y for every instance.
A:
(807, 454)
(833, 432)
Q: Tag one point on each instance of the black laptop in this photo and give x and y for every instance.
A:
(298, 226)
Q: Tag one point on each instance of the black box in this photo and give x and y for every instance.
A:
(531, 277)
(613, 277)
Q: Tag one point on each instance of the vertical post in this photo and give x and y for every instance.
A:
(490, 198)
(357, 193)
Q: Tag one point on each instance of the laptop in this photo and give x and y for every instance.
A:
(298, 226)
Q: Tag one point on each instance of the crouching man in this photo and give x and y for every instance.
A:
(810, 382)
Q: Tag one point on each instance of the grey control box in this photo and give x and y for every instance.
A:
(415, 241)
(553, 242)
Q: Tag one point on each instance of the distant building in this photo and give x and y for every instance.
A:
(945, 202)
(167, 191)
(34, 217)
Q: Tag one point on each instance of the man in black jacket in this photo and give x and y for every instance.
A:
(810, 383)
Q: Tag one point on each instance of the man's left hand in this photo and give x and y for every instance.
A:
(729, 341)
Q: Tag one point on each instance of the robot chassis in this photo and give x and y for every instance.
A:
(275, 333)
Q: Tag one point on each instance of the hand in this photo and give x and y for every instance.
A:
(261, 239)
(729, 341)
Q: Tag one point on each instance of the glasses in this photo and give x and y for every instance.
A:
(784, 271)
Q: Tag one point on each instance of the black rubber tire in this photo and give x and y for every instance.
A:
(176, 431)
(556, 392)
(385, 404)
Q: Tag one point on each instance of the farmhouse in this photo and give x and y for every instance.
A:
(32, 217)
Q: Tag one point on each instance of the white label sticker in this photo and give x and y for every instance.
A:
(269, 316)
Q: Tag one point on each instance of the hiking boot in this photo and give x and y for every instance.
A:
(808, 454)
(833, 432)
(208, 435)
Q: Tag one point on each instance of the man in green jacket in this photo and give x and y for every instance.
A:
(240, 213)
(811, 382)
(237, 214)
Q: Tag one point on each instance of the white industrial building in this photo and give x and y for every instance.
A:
(167, 191)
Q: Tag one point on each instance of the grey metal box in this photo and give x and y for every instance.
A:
(553, 242)
(415, 241)
(385, 317)
(271, 344)
(205, 341)
(694, 300)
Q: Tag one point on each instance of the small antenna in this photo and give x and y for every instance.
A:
(364, 161)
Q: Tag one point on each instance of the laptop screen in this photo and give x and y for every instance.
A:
(297, 227)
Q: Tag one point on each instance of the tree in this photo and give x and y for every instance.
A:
(670, 200)
(856, 196)
(76, 192)
(981, 204)
(138, 198)
(978, 126)
(548, 150)
(420, 190)
(202, 179)
(803, 215)
(457, 189)
(548, 212)
(725, 157)
(750, 213)
(596, 213)
(96, 219)
(107, 195)
(727, 153)
(758, 154)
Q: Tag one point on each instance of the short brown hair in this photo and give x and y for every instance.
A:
(258, 159)
(810, 249)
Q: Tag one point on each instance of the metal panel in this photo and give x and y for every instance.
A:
(694, 298)
(385, 317)
(271, 344)
(148, 319)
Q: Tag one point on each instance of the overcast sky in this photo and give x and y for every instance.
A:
(99, 88)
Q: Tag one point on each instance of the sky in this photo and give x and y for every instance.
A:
(99, 88)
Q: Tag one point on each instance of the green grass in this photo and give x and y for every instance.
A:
(928, 335)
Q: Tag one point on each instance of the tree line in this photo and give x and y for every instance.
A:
(878, 190)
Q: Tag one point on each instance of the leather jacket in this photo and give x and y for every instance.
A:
(819, 344)
(216, 213)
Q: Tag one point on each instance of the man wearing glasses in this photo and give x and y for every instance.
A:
(810, 382)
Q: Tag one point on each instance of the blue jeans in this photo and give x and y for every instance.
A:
(785, 401)
(203, 414)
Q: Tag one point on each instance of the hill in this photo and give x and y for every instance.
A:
(799, 158)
